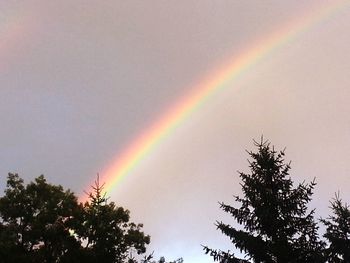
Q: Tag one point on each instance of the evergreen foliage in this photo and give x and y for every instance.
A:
(106, 230)
(276, 225)
(41, 222)
(338, 232)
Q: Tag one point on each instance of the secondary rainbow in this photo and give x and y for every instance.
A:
(15, 26)
(124, 164)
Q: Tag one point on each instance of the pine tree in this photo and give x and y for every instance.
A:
(107, 232)
(276, 225)
(338, 232)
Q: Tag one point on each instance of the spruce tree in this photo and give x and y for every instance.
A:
(338, 232)
(275, 222)
(107, 232)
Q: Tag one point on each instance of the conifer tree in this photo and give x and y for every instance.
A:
(108, 235)
(276, 225)
(338, 232)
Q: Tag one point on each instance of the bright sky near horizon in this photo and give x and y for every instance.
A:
(81, 80)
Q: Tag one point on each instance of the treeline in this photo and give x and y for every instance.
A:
(41, 222)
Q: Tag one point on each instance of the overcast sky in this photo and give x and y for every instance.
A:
(80, 80)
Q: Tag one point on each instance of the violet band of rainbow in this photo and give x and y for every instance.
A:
(199, 94)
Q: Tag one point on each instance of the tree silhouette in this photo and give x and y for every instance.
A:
(35, 222)
(338, 232)
(106, 231)
(40, 222)
(276, 225)
(149, 259)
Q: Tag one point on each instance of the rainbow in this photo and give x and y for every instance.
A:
(147, 141)
(13, 27)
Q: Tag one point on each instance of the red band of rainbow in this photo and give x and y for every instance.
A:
(199, 94)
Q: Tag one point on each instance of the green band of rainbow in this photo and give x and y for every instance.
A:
(160, 129)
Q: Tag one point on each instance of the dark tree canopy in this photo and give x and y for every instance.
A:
(40, 222)
(149, 259)
(107, 232)
(35, 222)
(338, 232)
(276, 225)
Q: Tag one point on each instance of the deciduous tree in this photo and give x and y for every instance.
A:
(35, 222)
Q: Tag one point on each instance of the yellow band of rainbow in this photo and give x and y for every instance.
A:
(124, 163)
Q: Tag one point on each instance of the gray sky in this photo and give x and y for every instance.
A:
(81, 79)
